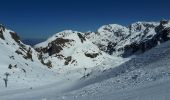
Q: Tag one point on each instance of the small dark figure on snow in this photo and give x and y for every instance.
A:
(6, 79)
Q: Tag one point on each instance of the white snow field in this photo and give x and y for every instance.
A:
(114, 63)
(146, 77)
(29, 78)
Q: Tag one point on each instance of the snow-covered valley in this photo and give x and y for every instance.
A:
(114, 63)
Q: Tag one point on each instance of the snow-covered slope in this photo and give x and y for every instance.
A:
(107, 35)
(145, 77)
(87, 65)
(70, 50)
(20, 61)
(125, 41)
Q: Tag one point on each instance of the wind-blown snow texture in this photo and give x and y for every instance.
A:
(116, 62)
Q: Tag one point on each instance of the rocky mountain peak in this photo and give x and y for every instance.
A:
(119, 40)
(2, 29)
(113, 29)
(69, 48)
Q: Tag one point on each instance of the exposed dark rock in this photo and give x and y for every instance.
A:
(18, 52)
(2, 36)
(111, 47)
(162, 22)
(91, 55)
(40, 57)
(15, 37)
(26, 64)
(162, 35)
(10, 66)
(2, 29)
(29, 54)
(82, 38)
(49, 64)
(55, 46)
(24, 70)
(12, 57)
(54, 49)
(68, 59)
(59, 56)
(26, 54)
(42, 50)
(73, 61)
(102, 47)
(61, 42)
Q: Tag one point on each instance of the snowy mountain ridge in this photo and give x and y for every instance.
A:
(115, 55)
(69, 50)
(110, 40)
(20, 62)
(125, 41)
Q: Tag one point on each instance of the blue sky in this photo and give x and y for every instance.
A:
(43, 18)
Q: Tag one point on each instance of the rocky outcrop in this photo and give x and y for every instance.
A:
(26, 54)
(125, 41)
(2, 29)
(161, 35)
(163, 31)
(69, 48)
(55, 46)
(91, 55)
(82, 38)
(67, 60)
(15, 37)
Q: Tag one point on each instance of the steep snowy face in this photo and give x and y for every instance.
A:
(137, 38)
(18, 61)
(70, 49)
(114, 32)
(108, 35)
(144, 36)
(10, 40)
(8, 35)
(140, 32)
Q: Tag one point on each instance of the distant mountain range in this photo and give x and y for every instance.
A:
(32, 42)
(73, 48)
(76, 55)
